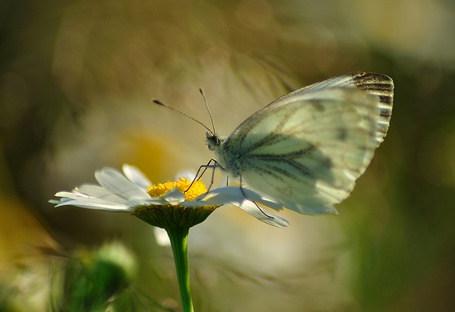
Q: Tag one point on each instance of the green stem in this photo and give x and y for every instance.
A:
(179, 243)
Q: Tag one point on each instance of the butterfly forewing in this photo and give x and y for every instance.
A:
(376, 84)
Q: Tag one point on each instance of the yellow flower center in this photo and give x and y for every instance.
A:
(198, 188)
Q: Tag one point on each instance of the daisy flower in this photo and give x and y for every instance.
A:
(157, 204)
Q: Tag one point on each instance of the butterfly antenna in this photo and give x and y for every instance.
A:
(182, 113)
(201, 91)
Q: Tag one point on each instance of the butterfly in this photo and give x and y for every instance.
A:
(306, 149)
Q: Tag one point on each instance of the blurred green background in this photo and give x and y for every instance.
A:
(76, 80)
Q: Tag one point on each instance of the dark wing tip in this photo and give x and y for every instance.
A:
(382, 86)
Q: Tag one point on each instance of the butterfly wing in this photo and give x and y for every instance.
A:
(306, 149)
(376, 84)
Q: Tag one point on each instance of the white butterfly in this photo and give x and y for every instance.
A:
(307, 148)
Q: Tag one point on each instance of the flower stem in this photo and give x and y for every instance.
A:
(179, 243)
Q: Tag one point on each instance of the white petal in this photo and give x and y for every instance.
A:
(155, 201)
(242, 198)
(234, 195)
(97, 205)
(136, 176)
(264, 216)
(71, 194)
(99, 192)
(92, 200)
(174, 197)
(114, 181)
(161, 236)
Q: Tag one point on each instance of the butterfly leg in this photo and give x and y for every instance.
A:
(213, 164)
(244, 195)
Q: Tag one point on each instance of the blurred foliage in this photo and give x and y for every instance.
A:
(76, 79)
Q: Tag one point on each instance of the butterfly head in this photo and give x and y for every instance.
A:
(214, 140)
